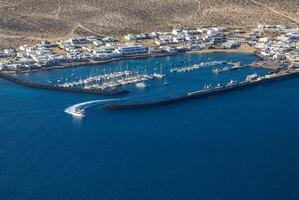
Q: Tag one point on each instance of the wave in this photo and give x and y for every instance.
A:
(73, 110)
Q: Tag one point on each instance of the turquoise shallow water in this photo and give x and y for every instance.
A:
(240, 145)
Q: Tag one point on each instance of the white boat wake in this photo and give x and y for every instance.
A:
(78, 110)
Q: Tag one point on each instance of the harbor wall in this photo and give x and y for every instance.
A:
(63, 89)
(200, 94)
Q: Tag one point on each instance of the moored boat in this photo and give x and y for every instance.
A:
(141, 85)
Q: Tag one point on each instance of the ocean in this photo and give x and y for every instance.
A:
(239, 145)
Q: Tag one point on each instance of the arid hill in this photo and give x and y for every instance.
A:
(24, 21)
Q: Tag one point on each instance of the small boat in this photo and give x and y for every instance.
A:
(232, 83)
(141, 85)
(207, 87)
(159, 76)
(216, 71)
(235, 67)
(219, 85)
(173, 70)
(78, 113)
(252, 77)
(225, 69)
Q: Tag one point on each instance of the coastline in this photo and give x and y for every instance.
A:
(256, 64)
(246, 50)
(78, 64)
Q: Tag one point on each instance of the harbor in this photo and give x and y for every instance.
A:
(161, 80)
(273, 46)
(149, 100)
(170, 47)
(126, 73)
(208, 90)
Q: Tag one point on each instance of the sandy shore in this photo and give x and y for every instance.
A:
(241, 49)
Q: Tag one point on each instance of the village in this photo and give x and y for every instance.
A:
(275, 44)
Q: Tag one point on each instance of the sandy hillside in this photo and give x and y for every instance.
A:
(23, 21)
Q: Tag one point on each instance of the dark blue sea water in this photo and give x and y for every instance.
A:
(240, 145)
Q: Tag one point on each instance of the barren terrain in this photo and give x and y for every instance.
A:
(26, 21)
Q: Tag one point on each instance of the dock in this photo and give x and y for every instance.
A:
(228, 69)
(196, 67)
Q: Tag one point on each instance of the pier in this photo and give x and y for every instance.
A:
(196, 67)
(112, 80)
(228, 69)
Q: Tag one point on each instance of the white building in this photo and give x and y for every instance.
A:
(98, 43)
(130, 37)
(134, 48)
(212, 32)
(8, 53)
(176, 31)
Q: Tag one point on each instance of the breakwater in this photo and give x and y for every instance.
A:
(113, 92)
(201, 93)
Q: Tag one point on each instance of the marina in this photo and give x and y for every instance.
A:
(92, 140)
(141, 80)
(208, 90)
(149, 100)
(133, 77)
(124, 75)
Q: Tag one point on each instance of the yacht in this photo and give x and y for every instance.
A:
(141, 85)
(252, 77)
(218, 86)
(207, 87)
(78, 113)
(216, 71)
(232, 83)
(235, 67)
(159, 76)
